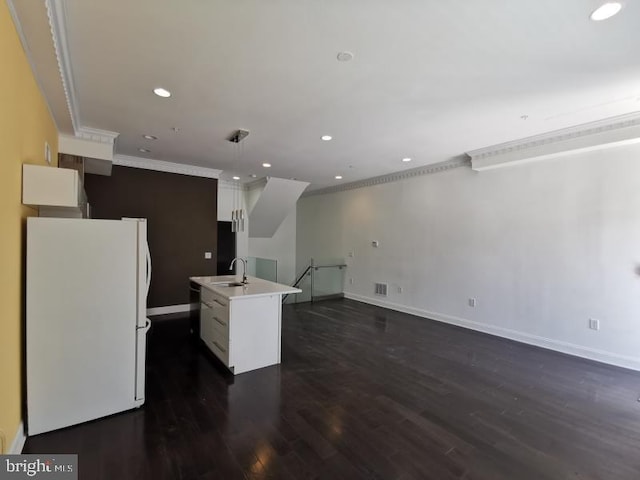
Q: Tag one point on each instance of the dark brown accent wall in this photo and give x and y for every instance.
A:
(181, 212)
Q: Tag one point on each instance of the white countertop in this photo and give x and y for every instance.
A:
(256, 287)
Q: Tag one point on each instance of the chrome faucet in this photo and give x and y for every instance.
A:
(244, 269)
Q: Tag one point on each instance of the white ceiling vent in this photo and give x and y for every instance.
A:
(381, 289)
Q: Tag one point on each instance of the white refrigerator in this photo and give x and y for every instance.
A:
(87, 284)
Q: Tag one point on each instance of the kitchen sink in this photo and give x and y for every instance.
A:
(228, 284)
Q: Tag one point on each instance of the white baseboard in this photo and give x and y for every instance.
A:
(185, 307)
(18, 441)
(602, 356)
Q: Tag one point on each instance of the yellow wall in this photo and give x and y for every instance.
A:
(25, 124)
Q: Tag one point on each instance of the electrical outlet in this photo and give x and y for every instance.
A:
(472, 302)
(375, 243)
(351, 281)
(594, 324)
(351, 254)
(399, 289)
(207, 255)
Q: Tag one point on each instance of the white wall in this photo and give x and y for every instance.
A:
(280, 247)
(542, 247)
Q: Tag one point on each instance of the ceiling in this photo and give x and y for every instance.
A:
(429, 80)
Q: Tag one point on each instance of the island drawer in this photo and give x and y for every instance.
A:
(219, 349)
(220, 328)
(212, 298)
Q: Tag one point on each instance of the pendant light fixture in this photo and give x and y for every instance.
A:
(237, 213)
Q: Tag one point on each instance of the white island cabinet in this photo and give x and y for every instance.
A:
(241, 324)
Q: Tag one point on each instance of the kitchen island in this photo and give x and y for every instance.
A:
(241, 323)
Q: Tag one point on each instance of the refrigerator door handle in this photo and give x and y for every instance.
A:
(141, 353)
(148, 285)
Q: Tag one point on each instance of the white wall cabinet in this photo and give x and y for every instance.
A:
(57, 191)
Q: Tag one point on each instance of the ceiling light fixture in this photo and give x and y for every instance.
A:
(238, 136)
(150, 137)
(162, 92)
(253, 175)
(236, 178)
(345, 56)
(605, 11)
(338, 177)
(326, 138)
(144, 150)
(266, 165)
(406, 159)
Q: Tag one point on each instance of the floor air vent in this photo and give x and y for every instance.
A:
(381, 289)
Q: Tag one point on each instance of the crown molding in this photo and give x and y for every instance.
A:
(163, 166)
(56, 11)
(439, 167)
(85, 147)
(232, 185)
(606, 133)
(29, 55)
(97, 135)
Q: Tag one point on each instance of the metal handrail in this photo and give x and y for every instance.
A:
(309, 270)
(302, 275)
(297, 282)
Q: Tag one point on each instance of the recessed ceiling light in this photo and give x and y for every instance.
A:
(605, 11)
(253, 175)
(144, 150)
(406, 159)
(150, 137)
(345, 56)
(162, 92)
(326, 138)
(266, 165)
(236, 178)
(338, 177)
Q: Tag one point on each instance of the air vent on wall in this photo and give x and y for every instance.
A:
(381, 289)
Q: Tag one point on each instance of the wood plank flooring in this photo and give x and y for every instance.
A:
(367, 393)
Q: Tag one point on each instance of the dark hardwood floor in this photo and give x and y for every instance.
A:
(367, 393)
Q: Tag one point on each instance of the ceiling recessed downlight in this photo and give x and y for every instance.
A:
(605, 11)
(150, 137)
(338, 177)
(236, 178)
(266, 165)
(144, 150)
(326, 138)
(162, 92)
(344, 56)
(406, 159)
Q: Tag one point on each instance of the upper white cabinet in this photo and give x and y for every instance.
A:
(52, 187)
